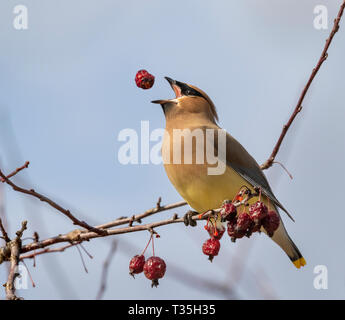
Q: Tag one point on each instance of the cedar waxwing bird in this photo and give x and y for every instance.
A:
(193, 111)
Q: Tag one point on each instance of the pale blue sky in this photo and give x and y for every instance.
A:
(67, 88)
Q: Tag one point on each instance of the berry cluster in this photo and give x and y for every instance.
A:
(154, 267)
(144, 80)
(244, 224)
(239, 224)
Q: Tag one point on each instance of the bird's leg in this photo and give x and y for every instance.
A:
(188, 218)
(207, 211)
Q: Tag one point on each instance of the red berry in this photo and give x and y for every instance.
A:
(229, 211)
(154, 269)
(144, 80)
(211, 248)
(255, 226)
(136, 265)
(243, 222)
(271, 222)
(233, 232)
(258, 211)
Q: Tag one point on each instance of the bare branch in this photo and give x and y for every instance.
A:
(77, 235)
(46, 250)
(4, 233)
(53, 204)
(26, 164)
(15, 246)
(139, 217)
(324, 55)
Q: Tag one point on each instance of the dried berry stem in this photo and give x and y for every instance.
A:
(153, 246)
(151, 237)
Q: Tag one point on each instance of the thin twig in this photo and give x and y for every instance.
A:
(82, 259)
(106, 264)
(286, 170)
(3, 231)
(29, 273)
(139, 217)
(86, 252)
(46, 250)
(324, 55)
(52, 204)
(24, 166)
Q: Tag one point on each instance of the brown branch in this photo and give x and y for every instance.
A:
(10, 286)
(26, 164)
(141, 216)
(4, 233)
(53, 204)
(77, 235)
(324, 55)
(15, 246)
(46, 250)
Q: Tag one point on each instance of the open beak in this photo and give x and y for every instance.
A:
(175, 86)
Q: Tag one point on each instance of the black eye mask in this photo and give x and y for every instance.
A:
(188, 91)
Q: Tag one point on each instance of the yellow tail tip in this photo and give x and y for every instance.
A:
(299, 263)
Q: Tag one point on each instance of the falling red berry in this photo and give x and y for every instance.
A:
(136, 265)
(229, 211)
(154, 269)
(211, 248)
(271, 222)
(144, 80)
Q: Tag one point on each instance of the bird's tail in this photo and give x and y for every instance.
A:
(282, 238)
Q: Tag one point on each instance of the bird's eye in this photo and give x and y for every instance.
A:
(188, 91)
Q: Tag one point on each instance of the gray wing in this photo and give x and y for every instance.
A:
(245, 165)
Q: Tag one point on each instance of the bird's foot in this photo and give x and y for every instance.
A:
(188, 218)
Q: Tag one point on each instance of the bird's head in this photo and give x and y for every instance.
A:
(189, 101)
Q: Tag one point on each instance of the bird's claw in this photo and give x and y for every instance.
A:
(188, 219)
